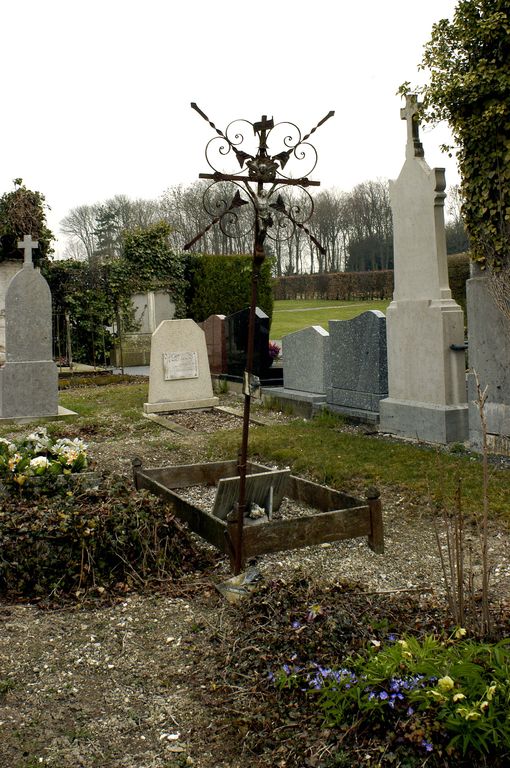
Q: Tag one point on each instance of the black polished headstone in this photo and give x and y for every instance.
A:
(236, 337)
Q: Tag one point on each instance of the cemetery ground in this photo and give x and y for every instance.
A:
(157, 670)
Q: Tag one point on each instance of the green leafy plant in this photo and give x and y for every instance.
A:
(469, 87)
(23, 212)
(443, 695)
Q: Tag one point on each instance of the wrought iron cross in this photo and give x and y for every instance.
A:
(271, 216)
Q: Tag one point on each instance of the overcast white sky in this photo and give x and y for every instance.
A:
(96, 93)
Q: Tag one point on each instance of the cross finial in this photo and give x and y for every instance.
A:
(414, 147)
(262, 128)
(26, 245)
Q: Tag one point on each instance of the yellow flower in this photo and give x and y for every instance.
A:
(459, 697)
(469, 714)
(20, 479)
(461, 632)
(491, 690)
(484, 705)
(445, 683)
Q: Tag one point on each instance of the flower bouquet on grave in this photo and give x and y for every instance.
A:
(38, 460)
(274, 351)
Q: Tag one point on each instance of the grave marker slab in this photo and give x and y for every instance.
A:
(359, 372)
(489, 356)
(214, 329)
(236, 336)
(179, 369)
(29, 377)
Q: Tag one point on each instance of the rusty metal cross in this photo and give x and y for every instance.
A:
(261, 169)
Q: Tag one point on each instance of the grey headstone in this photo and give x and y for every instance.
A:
(359, 372)
(29, 378)
(306, 360)
(489, 356)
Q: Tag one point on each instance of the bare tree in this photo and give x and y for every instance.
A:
(80, 224)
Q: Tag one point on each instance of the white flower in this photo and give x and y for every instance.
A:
(39, 461)
(10, 446)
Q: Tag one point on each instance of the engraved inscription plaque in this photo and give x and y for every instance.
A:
(180, 365)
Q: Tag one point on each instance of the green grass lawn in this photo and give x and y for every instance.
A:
(293, 314)
(421, 476)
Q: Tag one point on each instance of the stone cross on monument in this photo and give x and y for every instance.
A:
(414, 147)
(27, 245)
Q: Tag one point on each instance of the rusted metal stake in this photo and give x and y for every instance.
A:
(258, 258)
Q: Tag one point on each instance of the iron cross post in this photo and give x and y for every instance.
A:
(269, 206)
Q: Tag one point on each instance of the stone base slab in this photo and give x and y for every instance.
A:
(28, 389)
(302, 403)
(63, 413)
(358, 415)
(180, 405)
(427, 422)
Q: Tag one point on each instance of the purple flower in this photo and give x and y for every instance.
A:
(410, 711)
(392, 638)
(427, 745)
(383, 695)
(296, 624)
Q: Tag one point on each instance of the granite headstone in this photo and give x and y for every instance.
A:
(489, 356)
(214, 329)
(358, 360)
(236, 338)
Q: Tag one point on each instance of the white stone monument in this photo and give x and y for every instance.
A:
(179, 370)
(425, 326)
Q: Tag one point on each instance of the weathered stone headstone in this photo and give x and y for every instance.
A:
(305, 356)
(236, 338)
(489, 356)
(179, 370)
(306, 360)
(29, 377)
(214, 329)
(359, 374)
(8, 269)
(425, 326)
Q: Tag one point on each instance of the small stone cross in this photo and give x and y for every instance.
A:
(410, 114)
(26, 245)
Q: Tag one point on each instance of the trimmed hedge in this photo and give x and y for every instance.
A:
(222, 285)
(344, 286)
(336, 286)
(458, 274)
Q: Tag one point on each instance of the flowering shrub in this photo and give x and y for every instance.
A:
(445, 696)
(39, 455)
